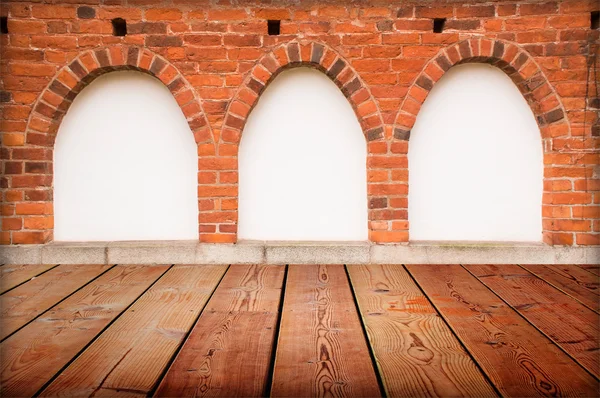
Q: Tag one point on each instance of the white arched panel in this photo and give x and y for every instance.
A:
(302, 163)
(475, 161)
(125, 164)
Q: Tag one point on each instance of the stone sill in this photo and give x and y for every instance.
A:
(254, 252)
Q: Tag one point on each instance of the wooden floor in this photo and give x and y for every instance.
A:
(300, 330)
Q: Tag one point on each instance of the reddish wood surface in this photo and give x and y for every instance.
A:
(593, 268)
(13, 275)
(516, 357)
(87, 344)
(416, 353)
(576, 282)
(573, 326)
(130, 356)
(321, 349)
(30, 357)
(22, 304)
(229, 350)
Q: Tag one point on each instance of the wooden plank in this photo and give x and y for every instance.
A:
(564, 320)
(516, 357)
(576, 282)
(24, 303)
(133, 352)
(13, 275)
(321, 349)
(33, 355)
(593, 268)
(416, 353)
(229, 350)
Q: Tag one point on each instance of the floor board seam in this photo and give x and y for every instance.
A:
(24, 282)
(58, 302)
(446, 321)
(171, 361)
(531, 323)
(363, 326)
(558, 288)
(57, 374)
(269, 383)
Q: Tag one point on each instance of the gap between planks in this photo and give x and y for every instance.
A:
(573, 327)
(131, 355)
(517, 358)
(26, 302)
(34, 356)
(12, 276)
(230, 349)
(416, 352)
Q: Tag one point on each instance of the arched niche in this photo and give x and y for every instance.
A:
(302, 163)
(125, 164)
(475, 161)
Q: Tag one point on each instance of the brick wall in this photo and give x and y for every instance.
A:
(216, 57)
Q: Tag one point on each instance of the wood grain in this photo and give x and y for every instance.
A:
(229, 350)
(516, 357)
(567, 322)
(22, 304)
(593, 268)
(417, 354)
(33, 355)
(132, 353)
(14, 275)
(576, 282)
(321, 349)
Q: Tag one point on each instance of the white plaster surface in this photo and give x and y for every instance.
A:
(125, 164)
(302, 164)
(475, 161)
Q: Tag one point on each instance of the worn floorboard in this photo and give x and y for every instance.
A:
(33, 355)
(229, 350)
(593, 268)
(321, 349)
(573, 326)
(416, 353)
(130, 356)
(14, 275)
(516, 357)
(23, 303)
(576, 282)
(266, 330)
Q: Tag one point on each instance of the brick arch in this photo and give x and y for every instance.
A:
(54, 102)
(308, 54)
(517, 63)
(220, 222)
(523, 70)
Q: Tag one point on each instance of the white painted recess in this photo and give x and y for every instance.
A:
(302, 164)
(475, 161)
(125, 164)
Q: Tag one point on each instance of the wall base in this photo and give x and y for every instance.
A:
(192, 252)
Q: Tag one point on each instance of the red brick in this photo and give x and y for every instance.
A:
(11, 223)
(538, 8)
(475, 11)
(388, 236)
(38, 222)
(162, 14)
(53, 11)
(588, 239)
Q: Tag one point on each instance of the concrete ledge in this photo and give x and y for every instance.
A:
(230, 254)
(192, 252)
(75, 253)
(21, 254)
(317, 253)
(164, 252)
